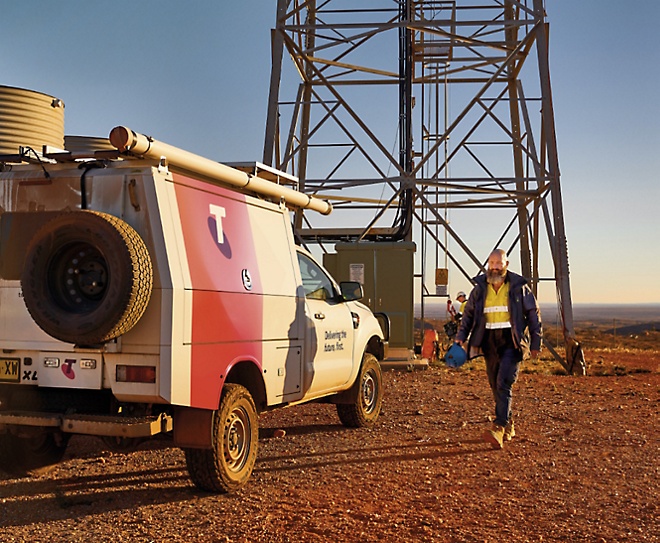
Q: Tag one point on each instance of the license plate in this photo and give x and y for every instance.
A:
(9, 369)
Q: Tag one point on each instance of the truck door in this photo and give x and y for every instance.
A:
(329, 331)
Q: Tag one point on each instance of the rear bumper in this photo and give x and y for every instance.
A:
(95, 425)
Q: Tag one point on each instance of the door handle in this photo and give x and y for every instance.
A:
(319, 316)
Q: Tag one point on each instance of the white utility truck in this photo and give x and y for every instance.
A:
(145, 290)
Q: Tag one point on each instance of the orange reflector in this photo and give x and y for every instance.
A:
(136, 374)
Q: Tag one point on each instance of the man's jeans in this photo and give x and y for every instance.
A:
(502, 367)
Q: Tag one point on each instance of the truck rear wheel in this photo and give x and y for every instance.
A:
(23, 456)
(87, 277)
(364, 410)
(235, 432)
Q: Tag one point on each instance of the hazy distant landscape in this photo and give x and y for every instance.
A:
(607, 313)
(603, 314)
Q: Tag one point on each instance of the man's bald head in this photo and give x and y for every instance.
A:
(497, 266)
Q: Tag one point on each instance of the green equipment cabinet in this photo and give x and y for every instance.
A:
(386, 272)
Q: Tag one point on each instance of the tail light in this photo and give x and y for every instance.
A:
(135, 374)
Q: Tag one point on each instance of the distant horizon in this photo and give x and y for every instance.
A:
(609, 303)
(443, 303)
(594, 311)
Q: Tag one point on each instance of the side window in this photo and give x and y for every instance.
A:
(316, 284)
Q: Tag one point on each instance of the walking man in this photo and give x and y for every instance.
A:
(502, 320)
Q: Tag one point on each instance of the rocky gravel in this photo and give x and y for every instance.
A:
(584, 466)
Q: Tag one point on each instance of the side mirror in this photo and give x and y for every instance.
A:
(350, 290)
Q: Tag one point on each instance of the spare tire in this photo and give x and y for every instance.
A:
(87, 277)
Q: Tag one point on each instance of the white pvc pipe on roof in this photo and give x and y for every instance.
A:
(125, 139)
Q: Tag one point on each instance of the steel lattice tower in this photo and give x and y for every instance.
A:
(429, 121)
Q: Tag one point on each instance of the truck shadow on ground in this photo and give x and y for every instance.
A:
(427, 450)
(58, 497)
(63, 498)
(295, 430)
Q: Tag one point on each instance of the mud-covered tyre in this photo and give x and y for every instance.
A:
(368, 396)
(24, 456)
(87, 277)
(235, 432)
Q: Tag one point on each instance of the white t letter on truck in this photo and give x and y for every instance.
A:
(218, 212)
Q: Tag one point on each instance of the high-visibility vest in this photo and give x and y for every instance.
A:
(496, 308)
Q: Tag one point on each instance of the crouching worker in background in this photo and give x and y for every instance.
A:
(503, 321)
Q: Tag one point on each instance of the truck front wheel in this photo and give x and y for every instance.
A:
(227, 466)
(368, 396)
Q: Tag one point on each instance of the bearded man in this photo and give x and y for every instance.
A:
(502, 320)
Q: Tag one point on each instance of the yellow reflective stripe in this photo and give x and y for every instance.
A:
(497, 325)
(497, 309)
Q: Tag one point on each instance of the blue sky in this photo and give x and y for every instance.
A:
(195, 74)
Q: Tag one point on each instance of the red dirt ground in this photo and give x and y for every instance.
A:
(584, 466)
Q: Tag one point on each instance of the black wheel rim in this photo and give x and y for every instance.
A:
(78, 277)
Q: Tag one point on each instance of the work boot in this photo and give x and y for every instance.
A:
(495, 436)
(509, 431)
